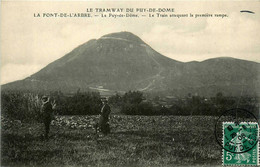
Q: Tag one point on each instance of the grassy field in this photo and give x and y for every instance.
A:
(134, 141)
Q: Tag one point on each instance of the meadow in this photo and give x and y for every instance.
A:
(133, 141)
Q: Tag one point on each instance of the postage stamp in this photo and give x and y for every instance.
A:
(240, 143)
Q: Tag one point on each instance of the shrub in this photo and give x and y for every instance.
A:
(85, 103)
(21, 106)
(129, 109)
(143, 108)
(26, 106)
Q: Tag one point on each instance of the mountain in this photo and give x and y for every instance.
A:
(122, 61)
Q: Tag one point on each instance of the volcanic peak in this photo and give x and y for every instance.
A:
(124, 36)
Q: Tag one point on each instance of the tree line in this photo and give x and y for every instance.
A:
(26, 105)
(134, 103)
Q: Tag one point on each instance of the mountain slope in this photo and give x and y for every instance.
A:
(231, 76)
(122, 62)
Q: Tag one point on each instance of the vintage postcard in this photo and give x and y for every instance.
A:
(130, 83)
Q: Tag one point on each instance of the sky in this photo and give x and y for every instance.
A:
(30, 43)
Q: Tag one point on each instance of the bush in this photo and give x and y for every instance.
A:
(129, 109)
(21, 106)
(132, 104)
(146, 108)
(85, 103)
(134, 97)
(143, 108)
(26, 106)
(115, 100)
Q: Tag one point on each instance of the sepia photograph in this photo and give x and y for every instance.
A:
(129, 83)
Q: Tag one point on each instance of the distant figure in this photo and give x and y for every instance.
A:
(104, 117)
(47, 111)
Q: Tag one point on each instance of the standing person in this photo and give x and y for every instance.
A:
(104, 117)
(47, 111)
